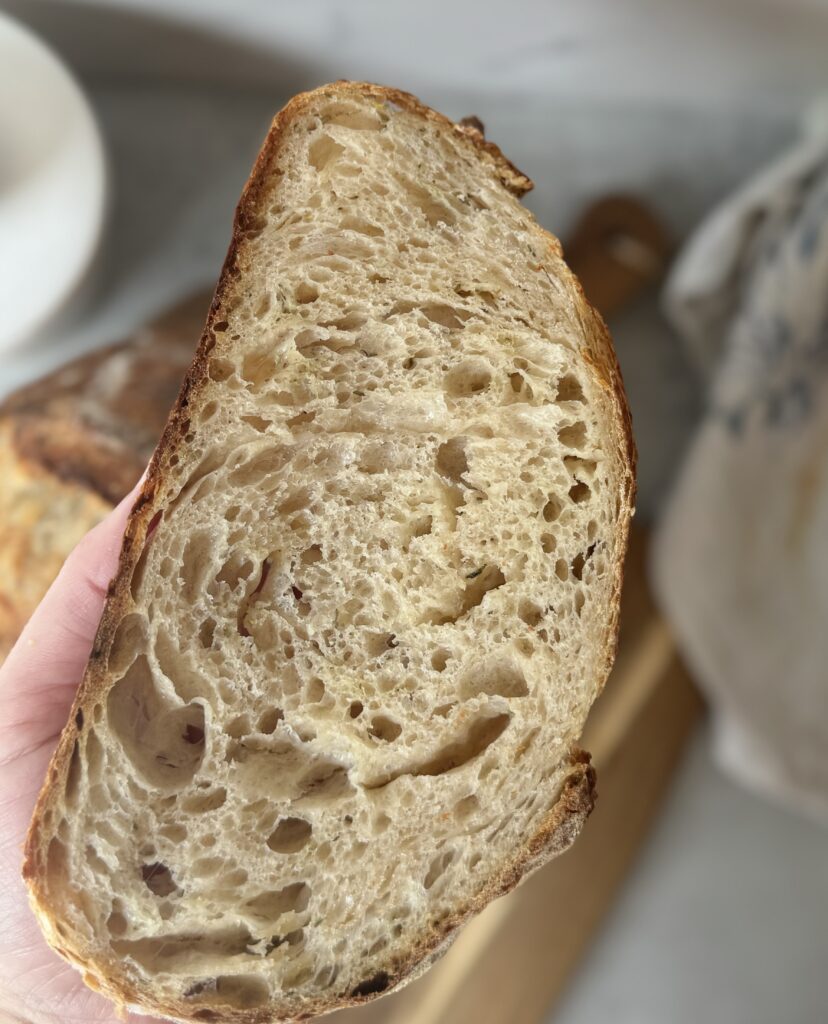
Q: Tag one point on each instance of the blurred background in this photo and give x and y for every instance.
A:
(680, 150)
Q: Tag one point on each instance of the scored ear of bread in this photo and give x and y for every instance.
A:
(365, 600)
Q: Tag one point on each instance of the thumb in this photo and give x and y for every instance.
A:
(40, 676)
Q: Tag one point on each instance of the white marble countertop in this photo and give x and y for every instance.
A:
(726, 915)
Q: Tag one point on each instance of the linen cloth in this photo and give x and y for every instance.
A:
(740, 560)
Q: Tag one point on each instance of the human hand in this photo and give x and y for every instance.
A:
(38, 682)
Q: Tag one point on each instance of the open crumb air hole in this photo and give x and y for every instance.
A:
(476, 737)
(158, 879)
(290, 835)
(579, 492)
(271, 906)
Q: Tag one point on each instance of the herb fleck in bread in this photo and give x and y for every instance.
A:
(365, 600)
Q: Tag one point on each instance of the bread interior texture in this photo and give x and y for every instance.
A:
(375, 600)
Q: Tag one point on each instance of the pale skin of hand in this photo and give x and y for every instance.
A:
(38, 682)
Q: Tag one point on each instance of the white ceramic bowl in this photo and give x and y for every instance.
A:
(52, 184)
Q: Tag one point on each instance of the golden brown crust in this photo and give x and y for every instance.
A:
(41, 519)
(96, 420)
(566, 817)
(514, 180)
(605, 363)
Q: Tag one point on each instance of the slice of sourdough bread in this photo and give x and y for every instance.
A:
(365, 600)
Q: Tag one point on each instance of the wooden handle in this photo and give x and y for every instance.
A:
(618, 249)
